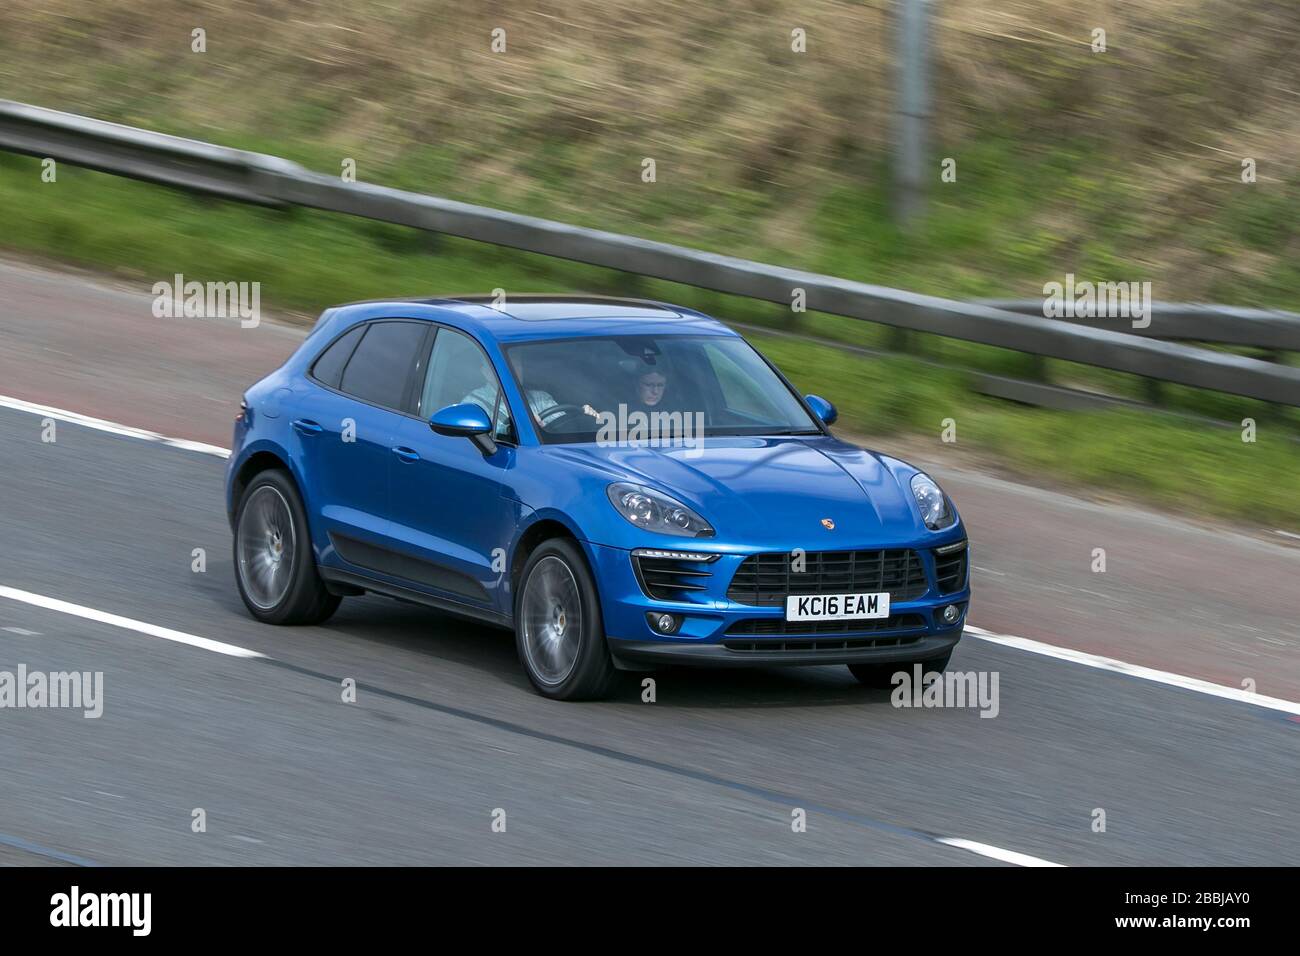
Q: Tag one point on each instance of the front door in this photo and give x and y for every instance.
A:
(447, 509)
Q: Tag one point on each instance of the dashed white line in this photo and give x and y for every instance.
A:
(996, 852)
(1134, 670)
(77, 610)
(76, 418)
(1021, 643)
(116, 620)
(203, 643)
(22, 631)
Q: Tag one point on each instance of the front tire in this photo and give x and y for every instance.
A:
(559, 631)
(275, 568)
(881, 675)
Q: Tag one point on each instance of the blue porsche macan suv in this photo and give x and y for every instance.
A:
(623, 484)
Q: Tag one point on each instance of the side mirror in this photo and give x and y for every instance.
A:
(465, 421)
(822, 408)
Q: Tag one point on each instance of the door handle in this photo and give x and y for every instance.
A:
(406, 454)
(307, 427)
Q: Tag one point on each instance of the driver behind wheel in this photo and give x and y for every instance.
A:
(485, 396)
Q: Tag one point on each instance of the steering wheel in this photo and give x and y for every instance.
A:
(555, 412)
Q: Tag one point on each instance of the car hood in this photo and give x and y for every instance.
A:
(775, 492)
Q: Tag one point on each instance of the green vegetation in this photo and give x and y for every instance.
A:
(306, 260)
(1122, 165)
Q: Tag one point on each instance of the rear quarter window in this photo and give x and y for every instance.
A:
(328, 369)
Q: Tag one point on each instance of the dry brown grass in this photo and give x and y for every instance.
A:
(718, 76)
(711, 90)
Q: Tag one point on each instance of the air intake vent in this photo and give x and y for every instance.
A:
(773, 626)
(825, 644)
(672, 575)
(950, 568)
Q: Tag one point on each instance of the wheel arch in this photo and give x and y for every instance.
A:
(257, 461)
(541, 530)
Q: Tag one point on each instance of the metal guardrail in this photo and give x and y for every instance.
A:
(1271, 329)
(268, 180)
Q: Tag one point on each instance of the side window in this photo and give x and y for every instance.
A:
(460, 373)
(328, 369)
(380, 366)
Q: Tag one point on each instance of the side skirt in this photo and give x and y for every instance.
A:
(334, 576)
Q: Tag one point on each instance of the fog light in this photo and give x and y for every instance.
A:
(663, 623)
(950, 614)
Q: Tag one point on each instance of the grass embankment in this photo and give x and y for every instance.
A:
(1123, 166)
(306, 260)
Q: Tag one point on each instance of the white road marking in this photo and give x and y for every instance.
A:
(76, 418)
(203, 643)
(230, 649)
(1021, 643)
(1134, 670)
(21, 630)
(1001, 574)
(153, 630)
(996, 852)
(1287, 534)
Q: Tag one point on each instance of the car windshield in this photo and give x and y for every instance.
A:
(632, 387)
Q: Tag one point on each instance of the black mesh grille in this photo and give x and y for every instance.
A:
(668, 579)
(950, 571)
(765, 580)
(770, 645)
(776, 625)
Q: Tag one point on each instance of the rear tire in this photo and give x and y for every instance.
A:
(559, 631)
(275, 566)
(881, 675)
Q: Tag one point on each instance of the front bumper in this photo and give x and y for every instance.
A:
(629, 655)
(716, 631)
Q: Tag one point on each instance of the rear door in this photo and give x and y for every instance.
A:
(345, 427)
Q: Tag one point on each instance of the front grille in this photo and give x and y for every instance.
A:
(765, 580)
(776, 625)
(671, 579)
(821, 644)
(950, 570)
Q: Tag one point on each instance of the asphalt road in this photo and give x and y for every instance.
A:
(445, 730)
(1205, 600)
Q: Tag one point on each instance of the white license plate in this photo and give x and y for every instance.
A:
(836, 607)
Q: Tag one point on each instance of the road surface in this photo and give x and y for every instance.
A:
(206, 710)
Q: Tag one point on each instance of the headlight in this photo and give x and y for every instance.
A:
(657, 512)
(935, 511)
